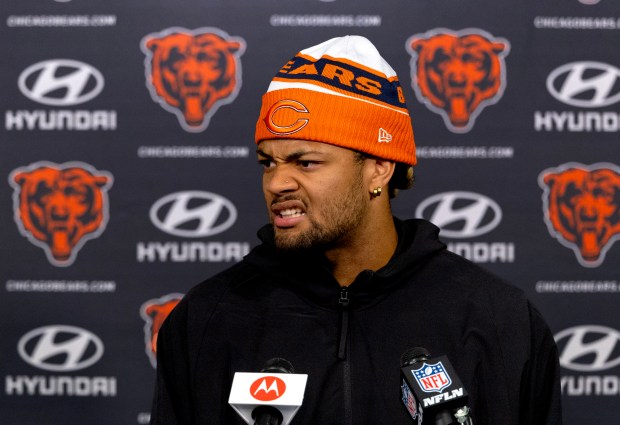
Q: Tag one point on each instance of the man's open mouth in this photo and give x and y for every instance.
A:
(291, 212)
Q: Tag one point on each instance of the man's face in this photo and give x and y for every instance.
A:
(315, 193)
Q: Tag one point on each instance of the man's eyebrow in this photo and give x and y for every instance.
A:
(293, 156)
(261, 153)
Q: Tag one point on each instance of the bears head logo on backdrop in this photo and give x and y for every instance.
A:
(60, 207)
(457, 74)
(582, 208)
(193, 73)
(154, 312)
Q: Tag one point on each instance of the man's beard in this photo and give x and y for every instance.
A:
(340, 217)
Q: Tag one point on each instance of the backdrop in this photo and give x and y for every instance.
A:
(129, 174)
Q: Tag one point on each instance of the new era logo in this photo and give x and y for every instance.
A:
(384, 136)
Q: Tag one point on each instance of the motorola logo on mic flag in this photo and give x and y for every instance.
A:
(268, 388)
(60, 348)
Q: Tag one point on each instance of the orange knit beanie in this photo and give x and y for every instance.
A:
(340, 92)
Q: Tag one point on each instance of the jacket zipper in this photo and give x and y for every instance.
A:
(342, 353)
(344, 322)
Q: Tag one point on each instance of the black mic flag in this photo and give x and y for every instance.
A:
(431, 391)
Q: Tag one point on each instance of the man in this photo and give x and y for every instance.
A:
(339, 287)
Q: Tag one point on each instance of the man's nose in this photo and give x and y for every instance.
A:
(280, 180)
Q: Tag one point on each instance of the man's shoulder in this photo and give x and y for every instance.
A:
(202, 299)
(468, 270)
(491, 299)
(475, 281)
(222, 282)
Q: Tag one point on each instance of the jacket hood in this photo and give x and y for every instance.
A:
(310, 272)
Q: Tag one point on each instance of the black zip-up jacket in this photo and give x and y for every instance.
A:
(349, 340)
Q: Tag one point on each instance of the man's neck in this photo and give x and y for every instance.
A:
(371, 250)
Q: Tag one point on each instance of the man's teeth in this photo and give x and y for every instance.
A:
(291, 213)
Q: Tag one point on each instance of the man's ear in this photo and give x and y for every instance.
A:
(380, 172)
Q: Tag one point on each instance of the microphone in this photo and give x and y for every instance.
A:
(271, 397)
(266, 414)
(431, 390)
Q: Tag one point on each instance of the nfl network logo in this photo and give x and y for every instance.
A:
(432, 378)
(409, 400)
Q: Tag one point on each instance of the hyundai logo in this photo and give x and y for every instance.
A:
(60, 348)
(193, 214)
(589, 348)
(461, 215)
(585, 84)
(60, 82)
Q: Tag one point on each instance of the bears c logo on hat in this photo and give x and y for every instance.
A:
(289, 110)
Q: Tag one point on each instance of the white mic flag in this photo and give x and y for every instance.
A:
(283, 391)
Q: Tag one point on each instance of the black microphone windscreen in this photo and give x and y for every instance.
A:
(278, 365)
(414, 355)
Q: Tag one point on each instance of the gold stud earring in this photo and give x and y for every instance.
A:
(376, 192)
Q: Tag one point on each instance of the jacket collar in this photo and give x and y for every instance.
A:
(308, 272)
